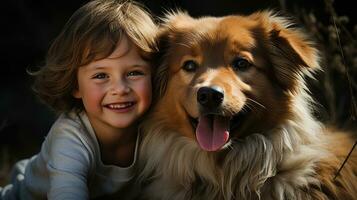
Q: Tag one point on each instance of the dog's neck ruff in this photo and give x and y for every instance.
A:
(248, 166)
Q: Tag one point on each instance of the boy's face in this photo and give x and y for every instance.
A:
(115, 90)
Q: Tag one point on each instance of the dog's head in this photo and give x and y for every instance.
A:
(225, 78)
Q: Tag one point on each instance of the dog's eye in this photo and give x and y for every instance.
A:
(190, 66)
(241, 64)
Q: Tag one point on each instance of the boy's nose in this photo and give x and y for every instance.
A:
(120, 88)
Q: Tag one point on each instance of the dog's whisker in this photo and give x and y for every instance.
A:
(256, 102)
(247, 108)
(252, 109)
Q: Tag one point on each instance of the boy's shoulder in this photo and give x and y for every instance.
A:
(74, 127)
(68, 119)
(68, 123)
(69, 136)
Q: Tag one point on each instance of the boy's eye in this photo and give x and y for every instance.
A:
(100, 76)
(135, 73)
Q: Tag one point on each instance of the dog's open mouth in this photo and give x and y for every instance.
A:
(212, 131)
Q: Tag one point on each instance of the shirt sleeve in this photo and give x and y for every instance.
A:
(68, 167)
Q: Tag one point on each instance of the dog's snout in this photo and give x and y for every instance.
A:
(210, 97)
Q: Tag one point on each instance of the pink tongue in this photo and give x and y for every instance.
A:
(212, 132)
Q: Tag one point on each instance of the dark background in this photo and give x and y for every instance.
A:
(28, 27)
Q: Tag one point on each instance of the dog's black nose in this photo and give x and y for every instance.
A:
(210, 97)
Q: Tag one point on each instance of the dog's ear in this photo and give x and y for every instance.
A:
(171, 26)
(176, 20)
(161, 68)
(292, 53)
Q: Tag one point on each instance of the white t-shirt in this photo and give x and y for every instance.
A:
(69, 166)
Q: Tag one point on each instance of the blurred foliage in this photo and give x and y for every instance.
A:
(335, 88)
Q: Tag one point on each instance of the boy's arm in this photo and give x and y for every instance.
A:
(68, 167)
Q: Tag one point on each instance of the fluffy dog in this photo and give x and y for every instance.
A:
(233, 118)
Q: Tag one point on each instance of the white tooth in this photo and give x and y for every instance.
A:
(118, 106)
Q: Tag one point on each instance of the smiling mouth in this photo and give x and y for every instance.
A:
(120, 106)
(213, 131)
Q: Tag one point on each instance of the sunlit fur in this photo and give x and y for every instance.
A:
(278, 152)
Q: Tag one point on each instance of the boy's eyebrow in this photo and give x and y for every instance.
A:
(141, 64)
(102, 66)
(97, 66)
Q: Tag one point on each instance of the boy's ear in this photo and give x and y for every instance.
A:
(76, 94)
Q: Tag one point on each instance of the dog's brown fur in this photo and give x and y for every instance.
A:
(278, 151)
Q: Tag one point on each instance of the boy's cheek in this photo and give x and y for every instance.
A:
(146, 91)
